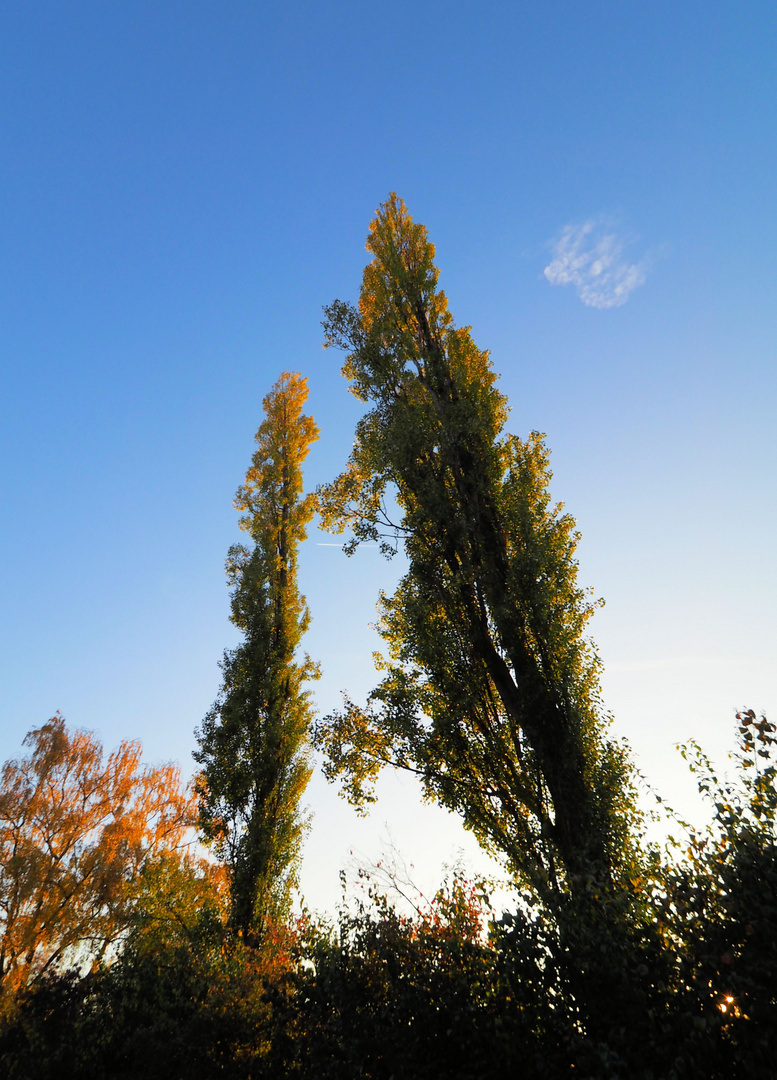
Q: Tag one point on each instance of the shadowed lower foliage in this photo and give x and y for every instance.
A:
(451, 991)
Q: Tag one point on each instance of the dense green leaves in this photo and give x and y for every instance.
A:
(254, 741)
(718, 908)
(384, 994)
(490, 689)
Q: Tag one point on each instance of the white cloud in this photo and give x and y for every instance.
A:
(591, 257)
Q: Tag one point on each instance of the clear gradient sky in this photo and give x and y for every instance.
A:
(185, 184)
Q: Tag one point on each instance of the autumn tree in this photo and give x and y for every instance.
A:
(490, 689)
(76, 836)
(253, 744)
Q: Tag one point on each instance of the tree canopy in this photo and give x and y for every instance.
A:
(76, 834)
(253, 744)
(490, 689)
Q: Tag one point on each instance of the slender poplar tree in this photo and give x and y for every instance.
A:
(254, 742)
(490, 689)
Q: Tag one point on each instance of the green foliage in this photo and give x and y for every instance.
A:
(185, 999)
(718, 911)
(253, 744)
(387, 995)
(668, 974)
(490, 690)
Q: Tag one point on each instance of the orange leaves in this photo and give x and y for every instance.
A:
(274, 479)
(75, 834)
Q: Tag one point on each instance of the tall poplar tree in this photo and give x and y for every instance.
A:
(490, 690)
(254, 742)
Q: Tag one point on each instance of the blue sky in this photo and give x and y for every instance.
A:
(185, 185)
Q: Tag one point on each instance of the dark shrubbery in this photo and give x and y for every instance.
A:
(671, 975)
